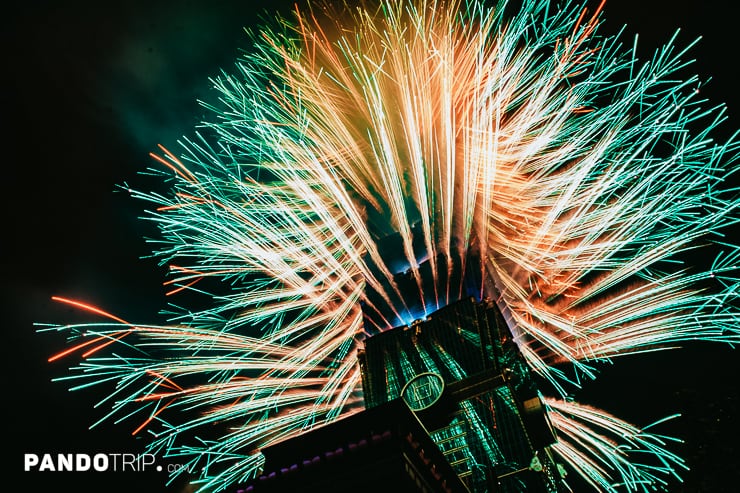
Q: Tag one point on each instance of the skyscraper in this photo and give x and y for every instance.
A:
(459, 373)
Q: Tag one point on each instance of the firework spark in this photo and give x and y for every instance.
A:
(520, 156)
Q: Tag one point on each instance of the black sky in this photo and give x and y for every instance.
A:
(91, 88)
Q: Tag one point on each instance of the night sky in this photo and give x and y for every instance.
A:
(91, 88)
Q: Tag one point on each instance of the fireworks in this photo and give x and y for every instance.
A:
(516, 155)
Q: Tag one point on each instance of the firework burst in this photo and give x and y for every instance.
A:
(513, 154)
